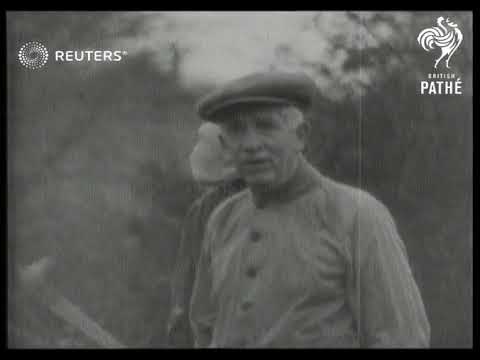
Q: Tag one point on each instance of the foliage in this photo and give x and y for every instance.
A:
(98, 175)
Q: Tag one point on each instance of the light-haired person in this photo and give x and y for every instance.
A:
(213, 170)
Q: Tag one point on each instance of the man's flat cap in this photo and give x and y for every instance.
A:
(262, 88)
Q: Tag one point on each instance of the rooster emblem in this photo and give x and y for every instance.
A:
(448, 40)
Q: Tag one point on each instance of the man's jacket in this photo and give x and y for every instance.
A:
(179, 333)
(314, 264)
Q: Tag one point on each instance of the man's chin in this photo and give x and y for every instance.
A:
(259, 180)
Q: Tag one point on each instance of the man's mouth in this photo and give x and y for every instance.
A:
(255, 164)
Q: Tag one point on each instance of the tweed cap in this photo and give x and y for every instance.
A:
(295, 89)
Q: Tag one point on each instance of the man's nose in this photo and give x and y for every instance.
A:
(251, 141)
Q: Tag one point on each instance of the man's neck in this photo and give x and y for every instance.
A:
(304, 178)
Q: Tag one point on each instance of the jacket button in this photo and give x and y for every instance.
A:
(252, 271)
(255, 236)
(246, 305)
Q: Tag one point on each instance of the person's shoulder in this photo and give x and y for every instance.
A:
(214, 196)
(345, 202)
(228, 205)
(224, 211)
(210, 199)
(349, 195)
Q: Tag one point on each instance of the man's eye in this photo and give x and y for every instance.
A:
(264, 124)
(234, 127)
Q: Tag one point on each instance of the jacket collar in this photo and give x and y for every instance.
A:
(305, 179)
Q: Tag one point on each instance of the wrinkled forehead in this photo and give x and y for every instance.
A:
(284, 114)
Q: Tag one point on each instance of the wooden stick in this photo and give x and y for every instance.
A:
(73, 315)
(34, 282)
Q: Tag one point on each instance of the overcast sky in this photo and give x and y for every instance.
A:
(219, 46)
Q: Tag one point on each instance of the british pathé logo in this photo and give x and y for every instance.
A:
(446, 37)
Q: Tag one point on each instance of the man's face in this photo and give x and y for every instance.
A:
(265, 145)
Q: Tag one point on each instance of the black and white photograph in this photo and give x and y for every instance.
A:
(239, 179)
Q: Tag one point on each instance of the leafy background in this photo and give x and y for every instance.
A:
(98, 173)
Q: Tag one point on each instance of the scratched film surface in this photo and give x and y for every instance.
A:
(98, 172)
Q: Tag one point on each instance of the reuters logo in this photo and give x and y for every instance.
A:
(33, 55)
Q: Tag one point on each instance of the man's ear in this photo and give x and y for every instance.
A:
(303, 130)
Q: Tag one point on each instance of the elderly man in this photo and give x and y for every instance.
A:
(296, 259)
(213, 170)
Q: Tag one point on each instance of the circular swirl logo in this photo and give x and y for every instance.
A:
(33, 55)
